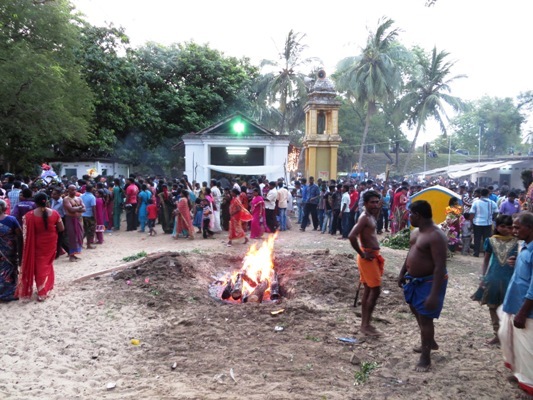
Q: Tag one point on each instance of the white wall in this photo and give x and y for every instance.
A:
(81, 167)
(197, 154)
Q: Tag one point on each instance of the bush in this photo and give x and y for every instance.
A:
(399, 241)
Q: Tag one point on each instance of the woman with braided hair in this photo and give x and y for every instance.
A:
(40, 228)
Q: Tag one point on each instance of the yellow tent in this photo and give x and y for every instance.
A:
(439, 198)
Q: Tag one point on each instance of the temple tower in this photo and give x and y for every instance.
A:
(321, 140)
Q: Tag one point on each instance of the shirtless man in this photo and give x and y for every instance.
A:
(424, 278)
(369, 261)
(74, 208)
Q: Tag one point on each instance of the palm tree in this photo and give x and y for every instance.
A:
(287, 86)
(373, 76)
(428, 93)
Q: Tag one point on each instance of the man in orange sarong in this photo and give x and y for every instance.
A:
(369, 261)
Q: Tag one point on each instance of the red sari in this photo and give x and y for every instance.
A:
(38, 256)
(258, 218)
(184, 217)
(237, 212)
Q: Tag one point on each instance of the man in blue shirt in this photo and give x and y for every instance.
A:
(89, 222)
(516, 319)
(510, 206)
(481, 215)
(311, 196)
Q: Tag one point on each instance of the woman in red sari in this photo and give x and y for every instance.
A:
(100, 215)
(258, 217)
(184, 216)
(244, 201)
(40, 228)
(237, 212)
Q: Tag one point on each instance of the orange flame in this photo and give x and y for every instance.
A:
(257, 267)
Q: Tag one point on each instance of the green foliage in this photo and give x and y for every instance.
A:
(147, 98)
(372, 77)
(399, 241)
(499, 120)
(382, 137)
(428, 91)
(134, 257)
(282, 94)
(362, 375)
(44, 100)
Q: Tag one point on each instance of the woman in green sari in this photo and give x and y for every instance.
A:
(496, 271)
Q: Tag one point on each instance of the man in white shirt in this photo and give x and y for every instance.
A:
(14, 194)
(217, 201)
(270, 206)
(345, 211)
(481, 215)
(283, 197)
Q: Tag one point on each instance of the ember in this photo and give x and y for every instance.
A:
(256, 281)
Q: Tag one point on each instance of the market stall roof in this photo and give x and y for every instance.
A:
(481, 167)
(460, 170)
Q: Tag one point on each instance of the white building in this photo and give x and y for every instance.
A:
(80, 168)
(235, 146)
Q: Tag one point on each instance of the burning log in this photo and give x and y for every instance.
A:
(257, 295)
(274, 288)
(227, 290)
(236, 293)
(248, 280)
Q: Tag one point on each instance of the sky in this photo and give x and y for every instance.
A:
(487, 39)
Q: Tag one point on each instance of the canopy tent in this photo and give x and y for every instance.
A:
(460, 170)
(438, 197)
(480, 167)
(253, 170)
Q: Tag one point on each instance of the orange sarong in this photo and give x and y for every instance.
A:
(371, 271)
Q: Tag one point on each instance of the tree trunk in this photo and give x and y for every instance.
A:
(411, 148)
(363, 140)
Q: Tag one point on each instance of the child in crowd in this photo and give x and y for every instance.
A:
(198, 213)
(466, 234)
(496, 272)
(151, 209)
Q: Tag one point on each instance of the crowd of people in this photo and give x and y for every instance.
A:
(72, 215)
(504, 227)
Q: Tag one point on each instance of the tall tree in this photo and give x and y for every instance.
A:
(373, 76)
(498, 120)
(117, 89)
(188, 86)
(44, 99)
(428, 93)
(286, 87)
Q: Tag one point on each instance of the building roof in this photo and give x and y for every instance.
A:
(236, 126)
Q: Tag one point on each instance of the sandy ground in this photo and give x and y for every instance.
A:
(79, 341)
